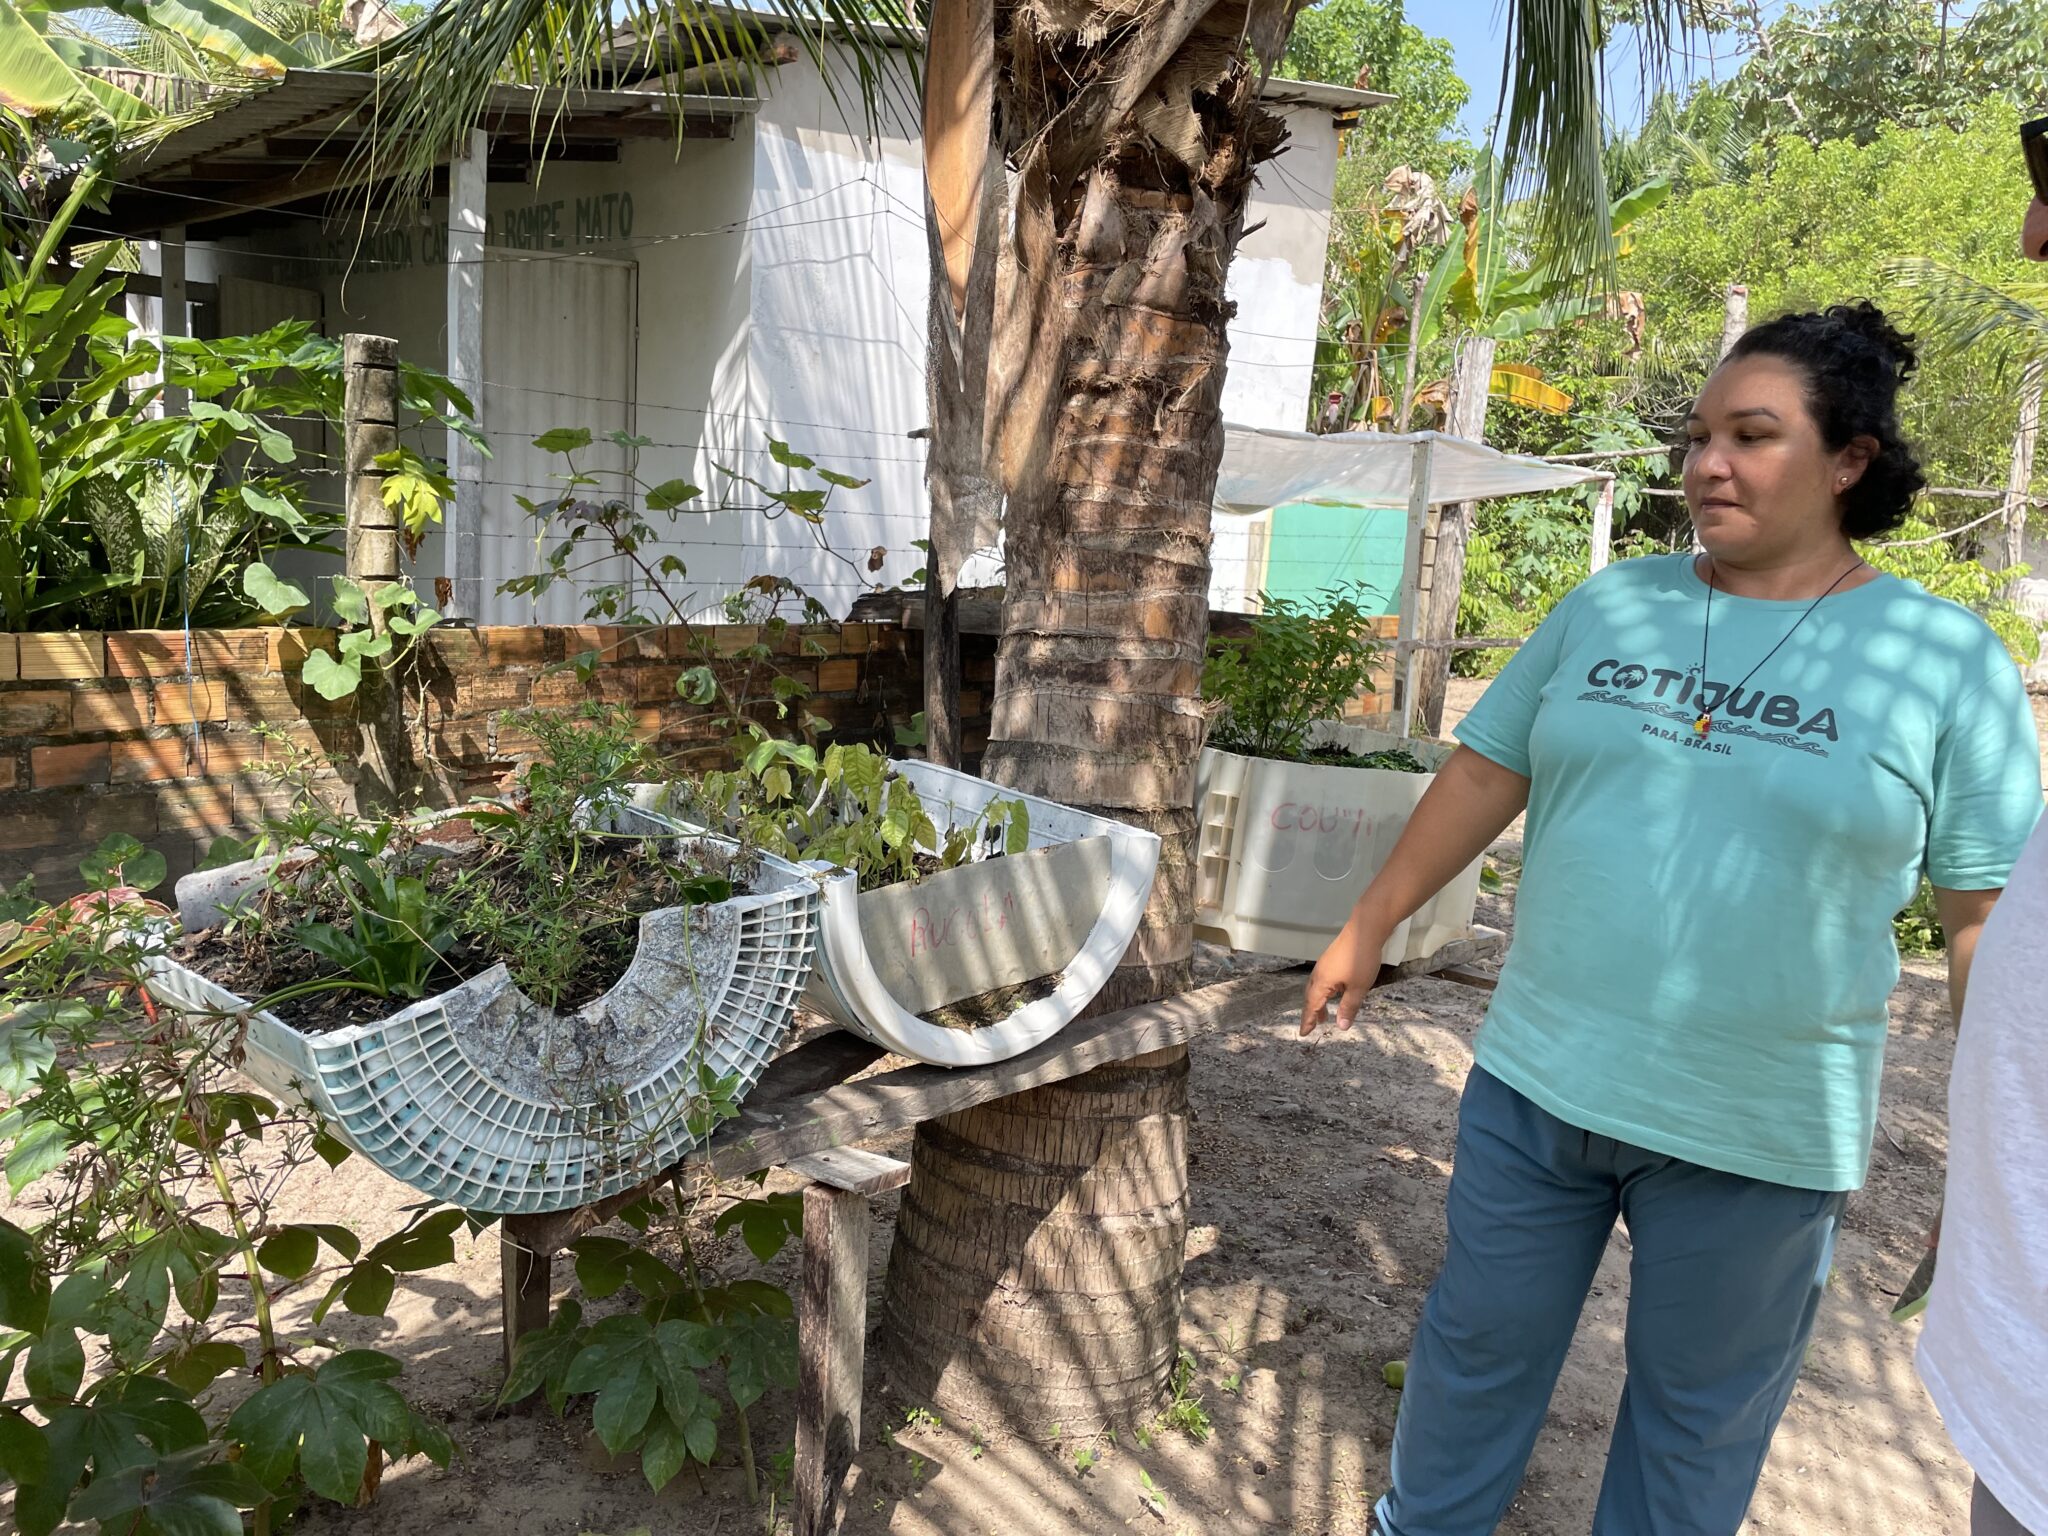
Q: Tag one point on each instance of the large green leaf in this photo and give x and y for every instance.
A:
(624, 1402)
(180, 1495)
(427, 1244)
(230, 33)
(663, 1455)
(270, 592)
(542, 1358)
(324, 1422)
(332, 679)
(137, 1307)
(24, 1452)
(1639, 203)
(33, 79)
(24, 1286)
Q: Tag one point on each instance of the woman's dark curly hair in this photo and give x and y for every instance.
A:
(1855, 361)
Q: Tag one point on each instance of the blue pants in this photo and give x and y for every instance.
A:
(1724, 1281)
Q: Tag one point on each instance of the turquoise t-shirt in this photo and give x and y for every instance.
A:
(1703, 945)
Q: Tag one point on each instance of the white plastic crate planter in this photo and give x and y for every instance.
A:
(485, 1099)
(1286, 848)
(1067, 907)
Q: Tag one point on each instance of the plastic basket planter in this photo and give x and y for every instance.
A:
(485, 1099)
(1065, 907)
(1287, 847)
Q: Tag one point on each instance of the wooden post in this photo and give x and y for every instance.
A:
(1734, 317)
(2019, 482)
(465, 519)
(369, 427)
(1411, 581)
(832, 1318)
(1603, 526)
(176, 319)
(1470, 383)
(527, 1276)
(385, 774)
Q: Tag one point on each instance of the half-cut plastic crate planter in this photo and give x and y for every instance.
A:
(484, 1098)
(1286, 848)
(1067, 906)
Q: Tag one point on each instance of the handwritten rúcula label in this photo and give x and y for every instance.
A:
(930, 930)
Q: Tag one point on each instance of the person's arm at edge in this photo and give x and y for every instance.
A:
(1962, 916)
(1472, 802)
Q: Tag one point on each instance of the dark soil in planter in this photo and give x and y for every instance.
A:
(988, 1008)
(615, 883)
(1395, 761)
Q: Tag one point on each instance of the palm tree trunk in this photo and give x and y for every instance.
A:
(1036, 1273)
(1035, 1277)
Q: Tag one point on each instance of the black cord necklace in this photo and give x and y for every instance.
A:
(1705, 722)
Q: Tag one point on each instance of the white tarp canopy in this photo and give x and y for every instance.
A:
(1265, 468)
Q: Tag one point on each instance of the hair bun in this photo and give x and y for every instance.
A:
(1866, 320)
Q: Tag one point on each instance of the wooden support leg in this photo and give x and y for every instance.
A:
(831, 1322)
(528, 1270)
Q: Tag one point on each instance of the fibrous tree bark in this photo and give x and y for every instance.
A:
(1036, 1273)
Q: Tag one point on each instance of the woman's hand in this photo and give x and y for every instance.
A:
(1343, 975)
(1469, 805)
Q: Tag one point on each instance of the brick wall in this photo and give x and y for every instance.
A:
(1380, 707)
(104, 734)
(117, 733)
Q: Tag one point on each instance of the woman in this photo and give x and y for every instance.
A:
(1736, 766)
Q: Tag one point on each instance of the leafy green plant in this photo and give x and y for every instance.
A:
(844, 807)
(378, 624)
(1150, 1494)
(1917, 929)
(134, 1164)
(545, 884)
(562, 904)
(651, 1373)
(399, 931)
(601, 520)
(1184, 1410)
(1301, 664)
(117, 516)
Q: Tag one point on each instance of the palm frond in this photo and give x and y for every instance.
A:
(437, 76)
(1552, 87)
(1956, 313)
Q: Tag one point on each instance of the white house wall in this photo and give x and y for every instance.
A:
(780, 281)
(1276, 282)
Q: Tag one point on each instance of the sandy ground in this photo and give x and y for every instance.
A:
(1318, 1173)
